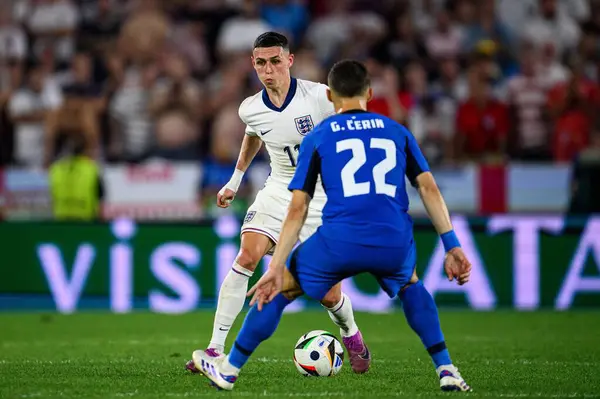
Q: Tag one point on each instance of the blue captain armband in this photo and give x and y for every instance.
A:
(450, 240)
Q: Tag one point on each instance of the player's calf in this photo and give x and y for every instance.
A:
(340, 311)
(422, 316)
(232, 294)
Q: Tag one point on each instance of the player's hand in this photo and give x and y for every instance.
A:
(457, 266)
(224, 197)
(267, 288)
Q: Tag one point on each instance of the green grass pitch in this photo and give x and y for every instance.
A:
(95, 355)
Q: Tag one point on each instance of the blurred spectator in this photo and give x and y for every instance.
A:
(430, 125)
(579, 10)
(286, 16)
(445, 40)
(415, 81)
(425, 13)
(526, 100)
(515, 14)
(131, 127)
(13, 51)
(464, 12)
(238, 33)
(481, 123)
(551, 70)
(306, 66)
(83, 105)
(144, 33)
(227, 84)
(388, 99)
(552, 25)
(187, 39)
(30, 108)
(175, 105)
(13, 41)
(486, 27)
(101, 22)
(589, 50)
(572, 106)
(451, 82)
(342, 32)
(402, 44)
(489, 36)
(585, 182)
(219, 166)
(53, 24)
(76, 185)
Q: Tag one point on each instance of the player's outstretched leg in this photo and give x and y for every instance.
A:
(232, 294)
(422, 316)
(258, 326)
(340, 311)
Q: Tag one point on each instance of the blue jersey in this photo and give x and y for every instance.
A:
(362, 158)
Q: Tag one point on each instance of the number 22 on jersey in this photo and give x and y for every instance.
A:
(359, 158)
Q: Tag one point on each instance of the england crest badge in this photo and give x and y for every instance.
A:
(304, 124)
(249, 217)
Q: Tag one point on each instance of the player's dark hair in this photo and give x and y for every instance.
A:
(348, 78)
(271, 39)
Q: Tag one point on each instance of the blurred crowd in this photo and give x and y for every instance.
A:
(475, 80)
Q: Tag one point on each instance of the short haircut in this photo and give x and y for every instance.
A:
(348, 78)
(271, 39)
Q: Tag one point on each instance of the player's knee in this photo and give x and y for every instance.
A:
(414, 279)
(248, 259)
(332, 298)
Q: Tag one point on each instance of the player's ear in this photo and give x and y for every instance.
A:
(328, 91)
(291, 60)
(369, 94)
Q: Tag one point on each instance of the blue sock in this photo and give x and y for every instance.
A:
(422, 316)
(258, 326)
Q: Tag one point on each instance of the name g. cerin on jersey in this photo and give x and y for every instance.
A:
(358, 124)
(304, 124)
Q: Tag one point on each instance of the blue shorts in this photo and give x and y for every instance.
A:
(319, 263)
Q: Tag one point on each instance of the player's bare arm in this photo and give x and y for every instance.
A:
(250, 147)
(271, 283)
(456, 264)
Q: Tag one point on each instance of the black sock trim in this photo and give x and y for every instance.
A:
(244, 351)
(339, 307)
(433, 349)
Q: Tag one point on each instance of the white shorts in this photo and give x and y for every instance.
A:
(266, 214)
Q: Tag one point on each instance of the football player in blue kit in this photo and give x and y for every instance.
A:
(362, 159)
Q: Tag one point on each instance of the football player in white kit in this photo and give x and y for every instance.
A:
(280, 116)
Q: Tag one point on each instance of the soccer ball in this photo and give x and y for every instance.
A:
(318, 353)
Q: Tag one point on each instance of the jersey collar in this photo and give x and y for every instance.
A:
(355, 111)
(288, 98)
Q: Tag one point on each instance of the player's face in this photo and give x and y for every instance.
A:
(272, 65)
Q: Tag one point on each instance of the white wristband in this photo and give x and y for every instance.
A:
(236, 179)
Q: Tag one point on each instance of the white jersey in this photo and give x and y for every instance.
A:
(282, 129)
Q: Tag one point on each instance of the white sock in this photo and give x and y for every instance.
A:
(232, 296)
(343, 316)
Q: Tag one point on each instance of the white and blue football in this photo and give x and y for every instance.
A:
(318, 353)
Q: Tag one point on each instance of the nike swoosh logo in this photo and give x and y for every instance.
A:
(366, 355)
(223, 329)
(265, 132)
